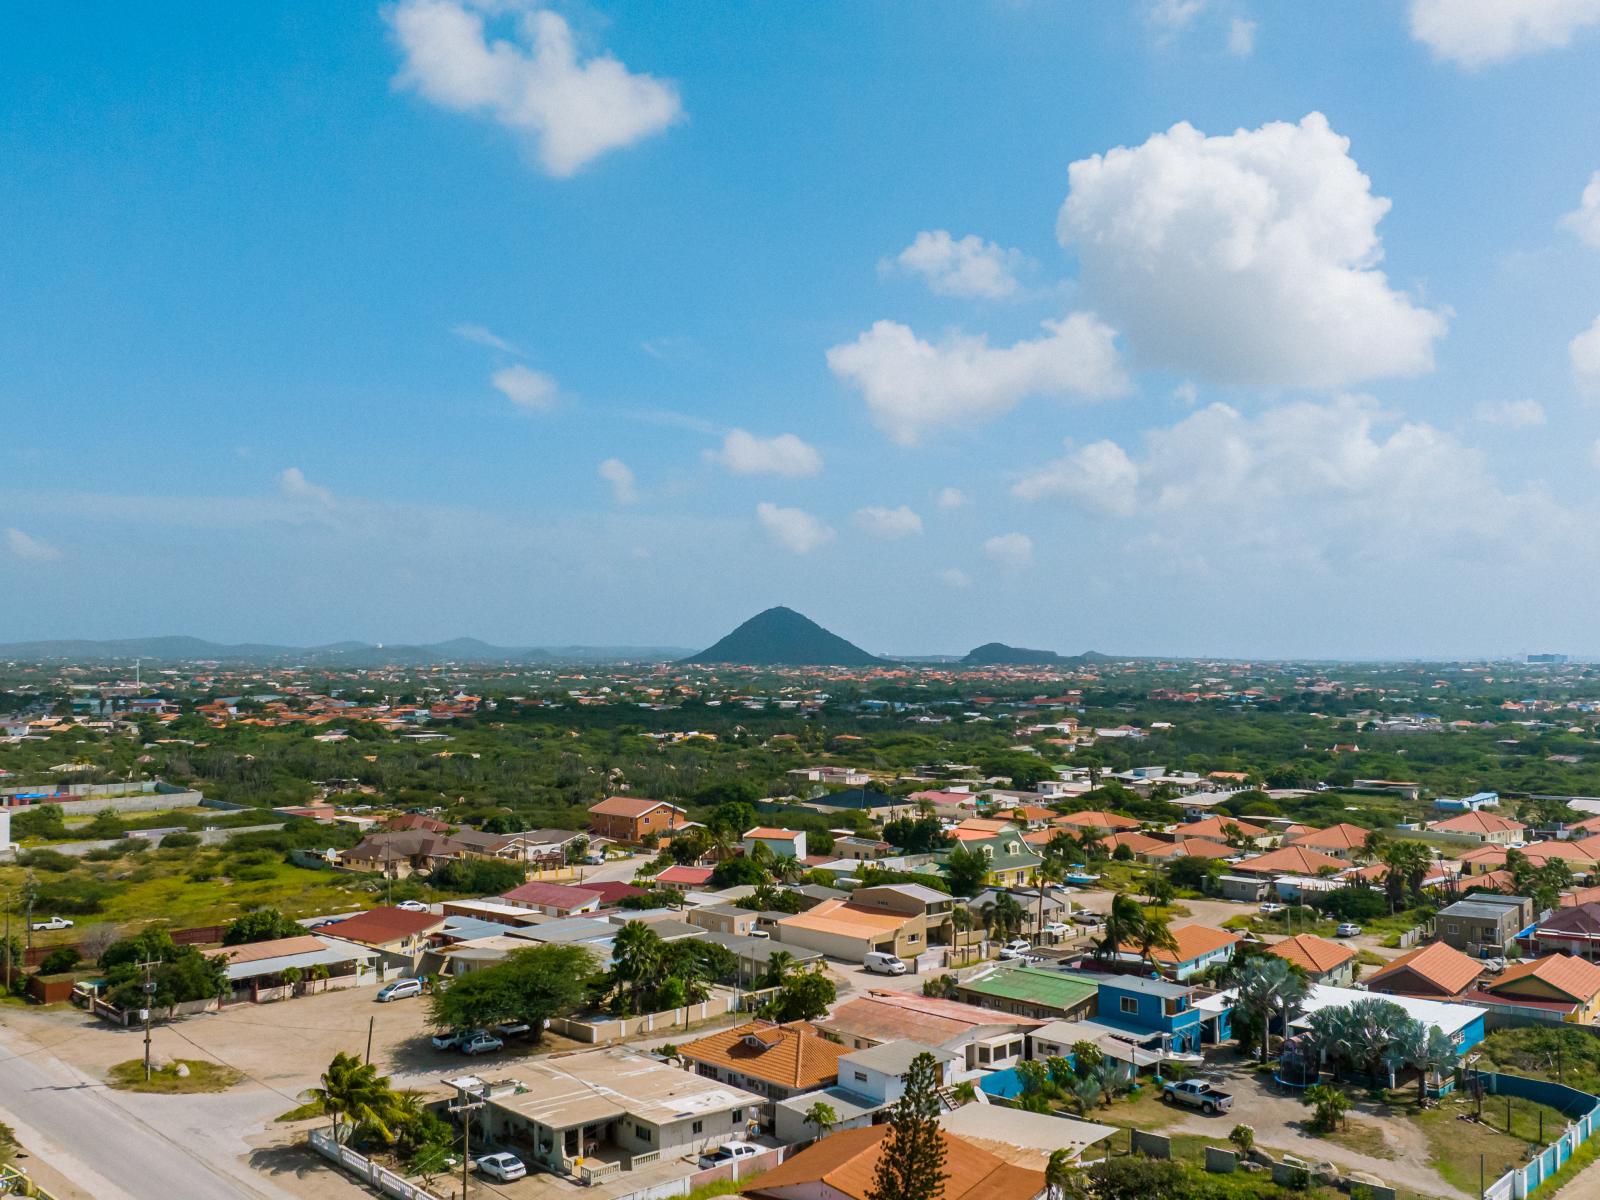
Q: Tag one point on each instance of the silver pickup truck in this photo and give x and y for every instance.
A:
(1196, 1093)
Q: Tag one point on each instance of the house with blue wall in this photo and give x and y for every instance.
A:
(1159, 1010)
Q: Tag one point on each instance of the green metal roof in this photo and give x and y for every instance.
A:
(1051, 989)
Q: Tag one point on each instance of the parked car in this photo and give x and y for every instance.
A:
(1015, 949)
(482, 1043)
(1087, 918)
(1197, 1093)
(1272, 906)
(451, 1041)
(881, 962)
(53, 923)
(1347, 929)
(595, 860)
(1057, 928)
(512, 1029)
(502, 1166)
(400, 989)
(1494, 965)
(728, 1152)
(759, 935)
(412, 906)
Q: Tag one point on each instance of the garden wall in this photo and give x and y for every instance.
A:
(363, 1168)
(1582, 1109)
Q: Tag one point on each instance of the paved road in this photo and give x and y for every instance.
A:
(95, 1136)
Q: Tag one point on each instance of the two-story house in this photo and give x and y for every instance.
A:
(1156, 1010)
(771, 1060)
(1483, 925)
(631, 819)
(783, 843)
(870, 1081)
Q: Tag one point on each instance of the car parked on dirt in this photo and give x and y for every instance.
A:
(1197, 1093)
(482, 1043)
(400, 989)
(52, 923)
(1347, 929)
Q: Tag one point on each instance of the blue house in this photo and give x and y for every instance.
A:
(1158, 1009)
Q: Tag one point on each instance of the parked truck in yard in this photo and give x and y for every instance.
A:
(1197, 1093)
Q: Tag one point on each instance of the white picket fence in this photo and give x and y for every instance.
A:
(364, 1169)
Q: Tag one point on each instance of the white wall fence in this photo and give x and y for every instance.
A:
(595, 1030)
(1520, 1182)
(364, 1169)
(739, 1169)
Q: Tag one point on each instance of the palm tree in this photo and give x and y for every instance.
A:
(1092, 843)
(1050, 871)
(1431, 1054)
(1331, 1104)
(1060, 1175)
(353, 1091)
(635, 961)
(1154, 934)
(319, 973)
(1124, 924)
(1086, 1094)
(821, 1115)
(723, 841)
(1269, 986)
(779, 964)
(786, 868)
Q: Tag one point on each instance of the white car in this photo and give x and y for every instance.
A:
(1494, 965)
(53, 923)
(452, 1040)
(728, 1152)
(502, 1166)
(1347, 929)
(1271, 906)
(1057, 928)
(412, 906)
(1014, 949)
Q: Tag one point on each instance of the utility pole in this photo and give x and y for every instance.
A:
(148, 967)
(370, 1021)
(466, 1108)
(10, 900)
(31, 894)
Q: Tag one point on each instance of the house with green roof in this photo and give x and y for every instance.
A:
(1044, 995)
(1012, 861)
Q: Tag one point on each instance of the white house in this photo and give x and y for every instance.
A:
(784, 843)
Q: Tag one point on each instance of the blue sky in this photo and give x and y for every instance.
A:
(618, 323)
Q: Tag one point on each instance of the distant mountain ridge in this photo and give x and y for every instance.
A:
(998, 654)
(781, 637)
(335, 654)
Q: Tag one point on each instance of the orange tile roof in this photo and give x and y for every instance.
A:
(378, 926)
(627, 806)
(1291, 860)
(847, 1160)
(1193, 941)
(1312, 953)
(276, 948)
(1478, 822)
(776, 835)
(885, 1016)
(791, 1056)
(1444, 966)
(1095, 818)
(1566, 973)
(1217, 828)
(835, 916)
(1342, 836)
(1203, 848)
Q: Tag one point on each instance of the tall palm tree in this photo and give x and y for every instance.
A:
(1269, 987)
(1060, 1175)
(352, 1091)
(635, 960)
(1124, 924)
(1155, 933)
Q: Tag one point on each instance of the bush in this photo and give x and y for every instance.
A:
(62, 958)
(75, 897)
(1355, 904)
(477, 876)
(180, 841)
(40, 821)
(46, 860)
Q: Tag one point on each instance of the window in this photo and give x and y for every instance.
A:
(643, 1132)
(738, 1115)
(1129, 1004)
(1452, 927)
(861, 1076)
(697, 1127)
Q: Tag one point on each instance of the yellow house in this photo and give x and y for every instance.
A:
(1557, 985)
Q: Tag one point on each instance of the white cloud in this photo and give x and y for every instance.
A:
(951, 497)
(1010, 549)
(1510, 414)
(1241, 37)
(1186, 393)
(526, 388)
(794, 529)
(912, 386)
(1249, 258)
(955, 577)
(1584, 351)
(1475, 33)
(293, 485)
(1171, 17)
(624, 487)
(889, 522)
(966, 266)
(28, 548)
(786, 455)
(1584, 221)
(1098, 476)
(483, 336)
(1318, 488)
(570, 111)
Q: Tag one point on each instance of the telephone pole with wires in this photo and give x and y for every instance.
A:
(466, 1107)
(148, 967)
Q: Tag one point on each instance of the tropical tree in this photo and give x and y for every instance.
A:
(1124, 924)
(1331, 1105)
(1086, 1093)
(1431, 1052)
(1270, 987)
(822, 1116)
(786, 868)
(1155, 934)
(1406, 867)
(780, 964)
(1366, 1035)
(966, 871)
(635, 965)
(1003, 916)
(911, 1164)
(1062, 1176)
(1243, 1138)
(352, 1092)
(1087, 1055)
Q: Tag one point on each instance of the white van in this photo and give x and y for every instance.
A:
(883, 963)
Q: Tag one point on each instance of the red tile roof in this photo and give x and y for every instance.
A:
(628, 806)
(1446, 968)
(555, 895)
(1311, 953)
(378, 926)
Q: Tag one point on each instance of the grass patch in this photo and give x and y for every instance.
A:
(721, 1187)
(1455, 1144)
(311, 1108)
(202, 1077)
(1362, 1137)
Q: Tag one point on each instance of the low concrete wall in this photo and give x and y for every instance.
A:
(1151, 1145)
(607, 1029)
(364, 1169)
(1220, 1161)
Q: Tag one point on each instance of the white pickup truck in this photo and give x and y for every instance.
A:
(1197, 1093)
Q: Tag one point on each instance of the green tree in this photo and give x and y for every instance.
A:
(352, 1092)
(1123, 927)
(822, 1117)
(262, 925)
(911, 1163)
(477, 876)
(1330, 1103)
(967, 871)
(804, 996)
(1243, 1138)
(526, 987)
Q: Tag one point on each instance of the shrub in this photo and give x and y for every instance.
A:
(73, 896)
(180, 841)
(477, 876)
(46, 860)
(62, 958)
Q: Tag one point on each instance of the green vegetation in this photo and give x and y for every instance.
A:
(1552, 1052)
(911, 1165)
(526, 987)
(198, 1075)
